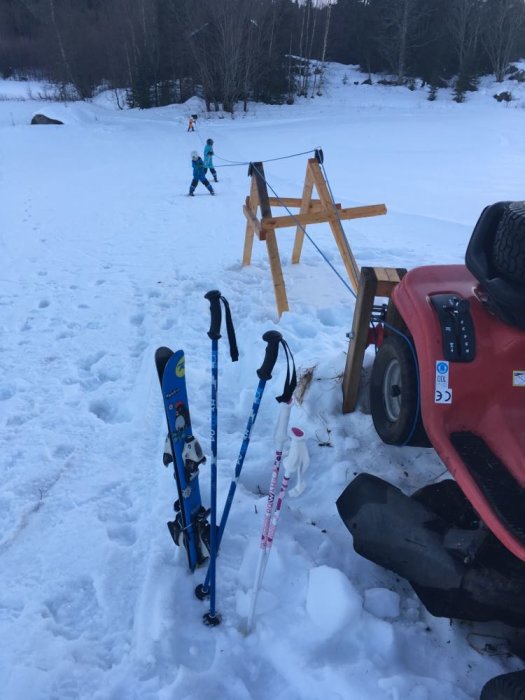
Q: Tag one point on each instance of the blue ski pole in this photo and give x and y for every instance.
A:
(214, 333)
(212, 618)
(272, 338)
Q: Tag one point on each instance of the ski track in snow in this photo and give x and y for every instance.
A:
(104, 261)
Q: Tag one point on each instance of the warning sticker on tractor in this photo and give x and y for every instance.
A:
(518, 377)
(442, 391)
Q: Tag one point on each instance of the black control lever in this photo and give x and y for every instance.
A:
(457, 327)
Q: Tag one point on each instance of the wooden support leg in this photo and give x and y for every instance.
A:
(248, 245)
(373, 281)
(277, 272)
(337, 229)
(358, 338)
(305, 205)
(252, 202)
(261, 193)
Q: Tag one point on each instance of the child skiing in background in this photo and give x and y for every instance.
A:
(191, 124)
(208, 162)
(199, 174)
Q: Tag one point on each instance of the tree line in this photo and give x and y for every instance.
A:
(231, 51)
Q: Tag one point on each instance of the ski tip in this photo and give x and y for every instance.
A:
(162, 356)
(163, 351)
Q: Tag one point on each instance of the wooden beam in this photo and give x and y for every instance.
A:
(362, 212)
(373, 282)
(387, 278)
(296, 202)
(271, 240)
(252, 202)
(304, 209)
(322, 216)
(277, 272)
(350, 263)
(254, 222)
(358, 338)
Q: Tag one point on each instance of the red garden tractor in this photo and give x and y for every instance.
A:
(449, 373)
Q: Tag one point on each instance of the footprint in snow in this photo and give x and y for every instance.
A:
(109, 411)
(66, 688)
(7, 391)
(122, 534)
(117, 514)
(74, 610)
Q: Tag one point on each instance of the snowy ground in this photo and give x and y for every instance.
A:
(104, 259)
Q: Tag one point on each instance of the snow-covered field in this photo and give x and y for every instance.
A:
(105, 258)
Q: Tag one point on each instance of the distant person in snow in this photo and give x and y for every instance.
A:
(208, 159)
(191, 124)
(199, 174)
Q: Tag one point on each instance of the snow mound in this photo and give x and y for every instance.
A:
(331, 601)
(382, 603)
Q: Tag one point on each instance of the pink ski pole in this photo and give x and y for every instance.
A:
(291, 465)
(279, 436)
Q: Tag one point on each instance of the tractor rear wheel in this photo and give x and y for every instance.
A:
(394, 394)
(509, 686)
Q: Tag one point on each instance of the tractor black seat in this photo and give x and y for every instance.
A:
(496, 257)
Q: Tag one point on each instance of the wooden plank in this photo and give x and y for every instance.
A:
(271, 240)
(295, 202)
(319, 216)
(384, 289)
(370, 282)
(322, 216)
(252, 202)
(248, 243)
(304, 210)
(253, 220)
(393, 317)
(387, 278)
(277, 272)
(358, 338)
(349, 261)
(362, 212)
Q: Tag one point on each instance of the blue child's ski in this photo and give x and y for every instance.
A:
(190, 527)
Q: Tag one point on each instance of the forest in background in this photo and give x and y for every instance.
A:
(232, 51)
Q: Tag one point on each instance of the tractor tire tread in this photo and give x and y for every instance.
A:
(509, 244)
(509, 686)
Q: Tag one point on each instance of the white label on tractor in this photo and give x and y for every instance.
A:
(442, 393)
(518, 377)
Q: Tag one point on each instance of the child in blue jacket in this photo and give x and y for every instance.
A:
(199, 174)
(208, 162)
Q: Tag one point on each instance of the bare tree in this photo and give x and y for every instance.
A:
(503, 23)
(224, 44)
(464, 26)
(325, 44)
(401, 21)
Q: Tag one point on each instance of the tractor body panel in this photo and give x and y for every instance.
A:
(473, 409)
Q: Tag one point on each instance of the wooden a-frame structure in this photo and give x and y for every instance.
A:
(311, 211)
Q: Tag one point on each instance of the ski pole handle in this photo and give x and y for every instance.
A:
(214, 297)
(272, 338)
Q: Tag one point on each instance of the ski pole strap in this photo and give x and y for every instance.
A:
(232, 340)
(291, 375)
(215, 298)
